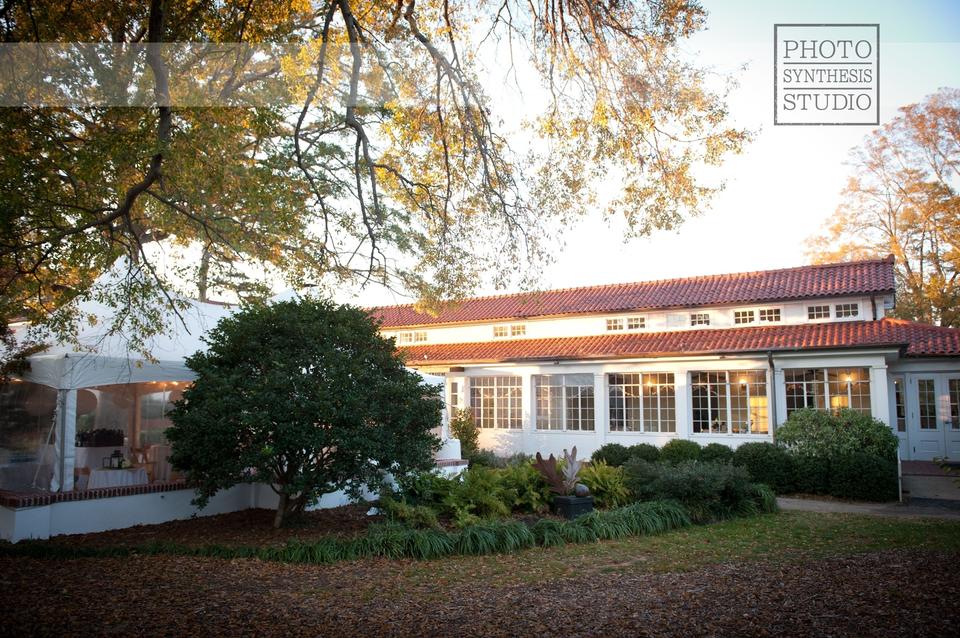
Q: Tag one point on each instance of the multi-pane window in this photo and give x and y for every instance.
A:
(418, 336)
(769, 314)
(642, 402)
(500, 331)
(495, 402)
(954, 389)
(614, 324)
(518, 330)
(927, 402)
(636, 323)
(848, 310)
(700, 319)
(743, 316)
(827, 388)
(729, 402)
(818, 312)
(454, 398)
(564, 401)
(901, 408)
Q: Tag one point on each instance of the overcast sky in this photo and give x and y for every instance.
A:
(787, 181)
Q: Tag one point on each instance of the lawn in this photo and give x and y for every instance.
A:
(793, 573)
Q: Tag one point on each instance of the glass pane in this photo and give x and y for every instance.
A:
(955, 404)
(927, 402)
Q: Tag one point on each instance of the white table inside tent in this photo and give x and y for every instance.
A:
(92, 457)
(159, 455)
(117, 478)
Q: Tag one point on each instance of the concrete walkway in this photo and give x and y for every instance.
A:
(917, 509)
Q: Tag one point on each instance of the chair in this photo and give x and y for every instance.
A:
(141, 458)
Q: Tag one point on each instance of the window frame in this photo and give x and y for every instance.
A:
(615, 324)
(734, 404)
(644, 402)
(822, 384)
(565, 390)
(846, 307)
(640, 323)
(699, 319)
(751, 314)
(518, 330)
(776, 311)
(514, 403)
(815, 309)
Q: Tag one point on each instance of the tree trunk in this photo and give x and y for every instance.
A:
(203, 275)
(281, 510)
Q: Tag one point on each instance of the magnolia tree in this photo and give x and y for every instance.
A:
(306, 397)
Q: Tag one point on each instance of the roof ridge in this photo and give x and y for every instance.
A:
(838, 264)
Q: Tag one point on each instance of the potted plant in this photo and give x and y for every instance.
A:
(572, 498)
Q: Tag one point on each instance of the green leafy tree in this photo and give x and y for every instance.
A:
(364, 143)
(305, 396)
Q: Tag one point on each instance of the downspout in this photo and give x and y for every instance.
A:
(873, 306)
(773, 393)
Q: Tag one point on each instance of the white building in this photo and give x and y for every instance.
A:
(722, 358)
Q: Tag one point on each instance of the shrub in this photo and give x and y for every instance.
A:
(716, 453)
(419, 516)
(477, 495)
(708, 491)
(639, 476)
(811, 473)
(424, 488)
(483, 458)
(606, 483)
(644, 451)
(817, 433)
(524, 488)
(612, 454)
(767, 463)
(680, 450)
(864, 476)
(464, 428)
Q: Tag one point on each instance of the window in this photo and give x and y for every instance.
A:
(564, 401)
(848, 310)
(642, 402)
(700, 319)
(954, 388)
(827, 388)
(454, 398)
(818, 312)
(743, 316)
(927, 399)
(769, 314)
(900, 407)
(729, 402)
(495, 402)
(499, 331)
(518, 330)
(413, 337)
(614, 324)
(636, 323)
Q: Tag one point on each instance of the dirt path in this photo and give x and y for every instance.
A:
(881, 594)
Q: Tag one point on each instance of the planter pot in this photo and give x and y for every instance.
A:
(571, 507)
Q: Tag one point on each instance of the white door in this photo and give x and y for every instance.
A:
(934, 421)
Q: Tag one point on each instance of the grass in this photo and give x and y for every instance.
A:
(787, 536)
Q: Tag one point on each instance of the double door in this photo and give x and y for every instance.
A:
(934, 417)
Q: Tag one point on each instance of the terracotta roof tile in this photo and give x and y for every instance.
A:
(918, 340)
(805, 282)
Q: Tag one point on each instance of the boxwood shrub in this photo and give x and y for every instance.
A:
(864, 476)
(645, 451)
(818, 433)
(612, 454)
(680, 450)
(716, 453)
(767, 463)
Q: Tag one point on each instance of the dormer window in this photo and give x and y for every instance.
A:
(518, 330)
(743, 316)
(818, 312)
(770, 315)
(614, 324)
(500, 332)
(847, 310)
(700, 319)
(636, 323)
(418, 336)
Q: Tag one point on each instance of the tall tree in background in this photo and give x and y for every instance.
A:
(353, 140)
(902, 199)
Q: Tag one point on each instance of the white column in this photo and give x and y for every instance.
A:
(780, 390)
(684, 414)
(880, 395)
(66, 429)
(601, 409)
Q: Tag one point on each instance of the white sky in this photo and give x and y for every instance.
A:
(788, 180)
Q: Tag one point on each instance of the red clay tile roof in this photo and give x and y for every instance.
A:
(805, 282)
(916, 339)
